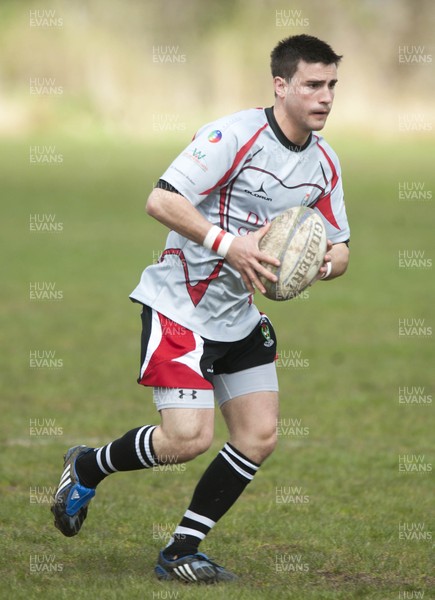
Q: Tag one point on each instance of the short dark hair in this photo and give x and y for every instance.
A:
(287, 53)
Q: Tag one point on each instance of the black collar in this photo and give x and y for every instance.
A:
(280, 134)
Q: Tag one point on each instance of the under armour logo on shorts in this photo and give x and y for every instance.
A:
(191, 393)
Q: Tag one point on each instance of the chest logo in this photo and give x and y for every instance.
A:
(260, 193)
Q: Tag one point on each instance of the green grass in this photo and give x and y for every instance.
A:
(348, 397)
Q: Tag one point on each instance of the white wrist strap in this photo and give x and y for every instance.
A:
(328, 270)
(218, 240)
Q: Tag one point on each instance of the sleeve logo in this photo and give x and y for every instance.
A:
(198, 157)
(215, 136)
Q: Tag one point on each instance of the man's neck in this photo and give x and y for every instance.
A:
(288, 129)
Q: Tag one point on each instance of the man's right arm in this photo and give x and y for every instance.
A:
(178, 214)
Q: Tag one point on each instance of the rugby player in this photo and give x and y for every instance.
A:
(203, 339)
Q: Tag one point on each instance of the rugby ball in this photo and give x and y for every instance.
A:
(297, 238)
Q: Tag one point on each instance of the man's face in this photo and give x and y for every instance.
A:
(307, 98)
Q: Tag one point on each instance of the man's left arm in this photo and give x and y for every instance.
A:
(334, 216)
(337, 256)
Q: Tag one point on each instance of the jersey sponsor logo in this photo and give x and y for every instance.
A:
(215, 136)
(183, 174)
(260, 193)
(197, 156)
(254, 221)
(190, 393)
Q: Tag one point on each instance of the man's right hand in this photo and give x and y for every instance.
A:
(245, 255)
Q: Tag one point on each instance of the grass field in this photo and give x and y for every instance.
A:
(364, 528)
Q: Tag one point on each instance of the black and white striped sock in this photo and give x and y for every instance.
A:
(217, 490)
(132, 451)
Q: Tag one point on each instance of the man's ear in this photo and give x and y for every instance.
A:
(280, 86)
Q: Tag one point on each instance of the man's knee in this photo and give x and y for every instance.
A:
(256, 445)
(266, 443)
(186, 439)
(194, 444)
(251, 420)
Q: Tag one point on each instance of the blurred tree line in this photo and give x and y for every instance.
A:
(138, 65)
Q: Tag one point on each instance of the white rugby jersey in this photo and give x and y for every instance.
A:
(240, 172)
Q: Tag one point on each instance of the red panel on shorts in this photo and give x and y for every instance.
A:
(162, 370)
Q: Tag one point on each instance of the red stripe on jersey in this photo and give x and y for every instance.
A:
(331, 164)
(222, 202)
(324, 203)
(220, 236)
(324, 206)
(197, 291)
(239, 156)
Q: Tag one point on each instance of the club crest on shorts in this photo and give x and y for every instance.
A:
(266, 333)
